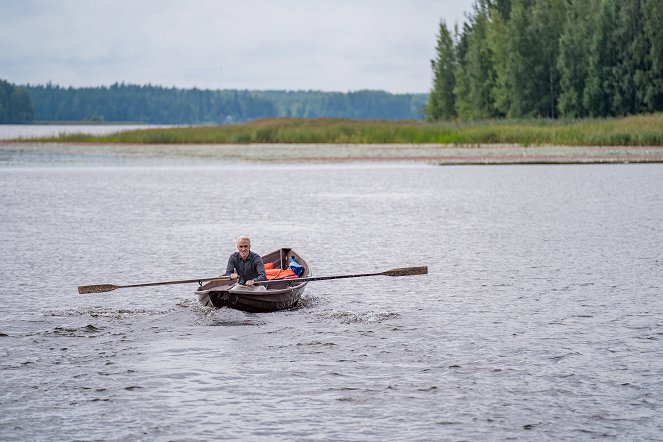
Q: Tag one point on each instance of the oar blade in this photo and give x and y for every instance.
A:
(407, 271)
(97, 288)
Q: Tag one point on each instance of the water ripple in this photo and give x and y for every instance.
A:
(540, 318)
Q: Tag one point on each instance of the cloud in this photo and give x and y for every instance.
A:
(251, 44)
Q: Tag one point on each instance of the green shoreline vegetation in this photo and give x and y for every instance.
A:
(638, 130)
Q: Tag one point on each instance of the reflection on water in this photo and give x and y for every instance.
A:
(540, 317)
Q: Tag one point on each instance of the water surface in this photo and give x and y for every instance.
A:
(541, 317)
(13, 131)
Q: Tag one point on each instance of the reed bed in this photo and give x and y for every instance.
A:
(641, 130)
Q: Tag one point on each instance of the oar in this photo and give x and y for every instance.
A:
(99, 288)
(401, 271)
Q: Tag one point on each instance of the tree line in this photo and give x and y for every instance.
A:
(160, 105)
(15, 104)
(550, 59)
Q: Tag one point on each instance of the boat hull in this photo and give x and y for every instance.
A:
(277, 296)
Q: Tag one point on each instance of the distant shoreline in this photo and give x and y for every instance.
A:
(639, 130)
(14, 152)
(634, 139)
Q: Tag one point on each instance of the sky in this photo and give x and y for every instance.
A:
(327, 45)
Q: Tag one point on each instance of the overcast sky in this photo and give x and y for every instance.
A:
(329, 45)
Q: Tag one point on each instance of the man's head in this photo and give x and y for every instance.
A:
(244, 246)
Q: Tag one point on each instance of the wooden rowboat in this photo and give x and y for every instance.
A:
(274, 296)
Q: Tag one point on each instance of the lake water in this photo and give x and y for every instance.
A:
(541, 318)
(12, 131)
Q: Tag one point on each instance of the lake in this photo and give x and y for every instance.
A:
(12, 131)
(541, 317)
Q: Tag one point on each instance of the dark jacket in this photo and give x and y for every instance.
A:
(252, 268)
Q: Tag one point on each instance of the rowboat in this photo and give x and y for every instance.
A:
(276, 295)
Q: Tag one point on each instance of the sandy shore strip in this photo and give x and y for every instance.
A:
(22, 152)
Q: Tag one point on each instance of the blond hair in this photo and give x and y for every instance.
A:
(243, 237)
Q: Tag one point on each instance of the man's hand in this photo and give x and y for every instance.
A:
(234, 276)
(249, 283)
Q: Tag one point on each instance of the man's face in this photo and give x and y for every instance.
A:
(243, 246)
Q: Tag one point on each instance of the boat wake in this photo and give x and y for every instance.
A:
(350, 317)
(309, 302)
(226, 317)
(100, 312)
(84, 331)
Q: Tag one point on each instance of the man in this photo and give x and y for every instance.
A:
(245, 265)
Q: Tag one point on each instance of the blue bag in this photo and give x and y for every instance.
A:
(296, 267)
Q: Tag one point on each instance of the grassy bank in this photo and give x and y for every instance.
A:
(641, 130)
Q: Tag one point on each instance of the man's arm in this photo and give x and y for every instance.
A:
(230, 268)
(260, 268)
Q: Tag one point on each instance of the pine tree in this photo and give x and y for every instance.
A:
(601, 84)
(573, 61)
(653, 15)
(463, 86)
(441, 100)
(548, 18)
(630, 71)
(520, 65)
(498, 40)
(479, 67)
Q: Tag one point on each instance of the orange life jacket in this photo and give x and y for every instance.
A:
(280, 274)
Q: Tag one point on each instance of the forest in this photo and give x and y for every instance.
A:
(550, 59)
(159, 105)
(15, 104)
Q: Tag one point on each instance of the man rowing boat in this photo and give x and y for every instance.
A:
(245, 265)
